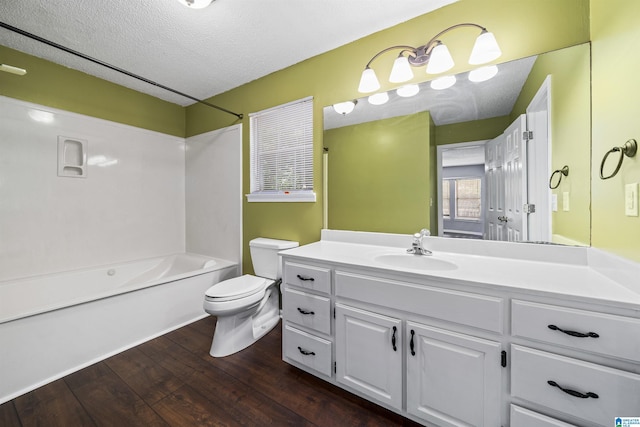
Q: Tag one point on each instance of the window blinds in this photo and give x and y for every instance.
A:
(282, 148)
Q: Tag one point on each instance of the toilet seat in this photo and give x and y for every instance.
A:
(236, 288)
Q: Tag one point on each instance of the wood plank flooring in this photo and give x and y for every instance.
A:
(172, 381)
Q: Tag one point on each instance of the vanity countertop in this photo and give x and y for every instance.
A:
(556, 270)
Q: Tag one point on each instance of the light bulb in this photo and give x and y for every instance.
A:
(401, 71)
(408, 90)
(440, 60)
(443, 82)
(485, 49)
(483, 73)
(368, 81)
(378, 98)
(344, 107)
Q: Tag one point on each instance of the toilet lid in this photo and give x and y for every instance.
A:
(238, 287)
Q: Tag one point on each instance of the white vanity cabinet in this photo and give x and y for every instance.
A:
(453, 379)
(464, 348)
(369, 354)
(449, 378)
(595, 384)
(306, 310)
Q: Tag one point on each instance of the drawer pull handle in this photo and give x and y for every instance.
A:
(413, 352)
(306, 352)
(393, 339)
(574, 333)
(573, 392)
(305, 279)
(305, 312)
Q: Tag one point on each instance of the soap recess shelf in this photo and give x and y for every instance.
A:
(72, 157)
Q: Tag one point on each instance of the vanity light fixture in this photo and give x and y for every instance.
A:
(407, 91)
(196, 4)
(483, 74)
(434, 54)
(378, 98)
(345, 108)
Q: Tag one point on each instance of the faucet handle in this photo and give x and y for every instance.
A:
(422, 233)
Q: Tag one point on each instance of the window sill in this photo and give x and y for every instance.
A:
(294, 196)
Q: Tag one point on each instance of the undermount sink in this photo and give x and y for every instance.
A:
(415, 262)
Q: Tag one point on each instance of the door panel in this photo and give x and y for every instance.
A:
(365, 356)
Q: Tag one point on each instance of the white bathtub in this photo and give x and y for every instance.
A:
(56, 324)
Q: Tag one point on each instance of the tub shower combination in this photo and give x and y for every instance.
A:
(55, 324)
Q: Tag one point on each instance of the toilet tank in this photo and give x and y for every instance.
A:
(264, 256)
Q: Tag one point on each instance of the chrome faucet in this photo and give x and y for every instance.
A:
(416, 247)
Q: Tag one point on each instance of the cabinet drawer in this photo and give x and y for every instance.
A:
(307, 350)
(607, 334)
(308, 277)
(618, 392)
(479, 311)
(311, 311)
(521, 417)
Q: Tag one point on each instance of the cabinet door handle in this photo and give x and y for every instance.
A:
(574, 333)
(305, 312)
(573, 392)
(305, 279)
(393, 339)
(306, 352)
(413, 352)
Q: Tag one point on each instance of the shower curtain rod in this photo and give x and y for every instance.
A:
(112, 67)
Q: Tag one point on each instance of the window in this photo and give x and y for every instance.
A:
(281, 153)
(468, 197)
(446, 201)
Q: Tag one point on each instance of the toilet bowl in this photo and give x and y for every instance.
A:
(247, 307)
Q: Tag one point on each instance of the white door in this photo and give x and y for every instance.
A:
(369, 354)
(538, 163)
(515, 180)
(452, 379)
(494, 181)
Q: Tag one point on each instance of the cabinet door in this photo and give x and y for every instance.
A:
(452, 379)
(369, 354)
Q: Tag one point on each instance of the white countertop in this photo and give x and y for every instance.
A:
(576, 272)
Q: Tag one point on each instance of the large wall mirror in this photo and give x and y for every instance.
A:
(506, 158)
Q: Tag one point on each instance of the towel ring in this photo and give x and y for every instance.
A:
(560, 172)
(629, 149)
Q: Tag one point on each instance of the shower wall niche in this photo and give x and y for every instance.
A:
(72, 157)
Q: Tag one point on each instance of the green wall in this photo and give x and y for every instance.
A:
(60, 87)
(378, 175)
(475, 130)
(615, 94)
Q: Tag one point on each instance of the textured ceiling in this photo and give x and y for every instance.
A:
(198, 52)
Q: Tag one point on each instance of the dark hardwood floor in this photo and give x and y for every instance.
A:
(172, 381)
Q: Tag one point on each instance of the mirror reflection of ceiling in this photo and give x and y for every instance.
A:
(199, 52)
(465, 101)
(464, 156)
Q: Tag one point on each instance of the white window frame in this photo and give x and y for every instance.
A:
(259, 194)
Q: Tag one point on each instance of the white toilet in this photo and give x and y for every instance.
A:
(247, 307)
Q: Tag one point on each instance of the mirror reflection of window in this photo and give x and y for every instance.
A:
(446, 211)
(468, 199)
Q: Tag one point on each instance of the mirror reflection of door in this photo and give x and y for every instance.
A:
(515, 174)
(514, 208)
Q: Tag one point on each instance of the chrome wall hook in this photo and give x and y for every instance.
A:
(559, 173)
(629, 149)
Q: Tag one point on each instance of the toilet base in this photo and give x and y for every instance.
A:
(239, 331)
